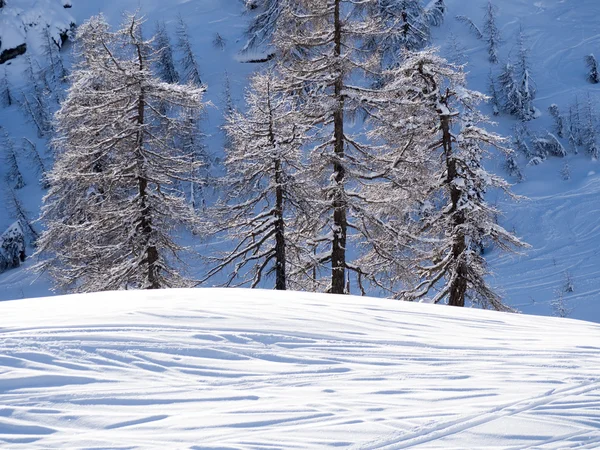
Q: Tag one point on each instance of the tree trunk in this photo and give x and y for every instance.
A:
(458, 286)
(280, 281)
(340, 223)
(145, 227)
(280, 275)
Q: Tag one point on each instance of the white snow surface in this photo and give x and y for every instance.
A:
(241, 369)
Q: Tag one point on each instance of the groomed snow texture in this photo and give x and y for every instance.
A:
(235, 369)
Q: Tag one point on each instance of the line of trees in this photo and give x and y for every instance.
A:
(355, 166)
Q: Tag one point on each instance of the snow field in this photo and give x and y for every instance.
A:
(215, 368)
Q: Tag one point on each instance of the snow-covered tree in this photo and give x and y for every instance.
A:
(319, 57)
(454, 268)
(575, 126)
(12, 247)
(512, 99)
(407, 25)
(473, 28)
(512, 167)
(526, 85)
(559, 124)
(165, 64)
(265, 202)
(592, 65)
(435, 11)
(518, 89)
(572, 130)
(112, 206)
(13, 174)
(190, 71)
(561, 307)
(6, 96)
(446, 240)
(265, 22)
(428, 217)
(16, 209)
(31, 151)
(494, 95)
(520, 141)
(491, 32)
(55, 70)
(588, 131)
(456, 51)
(565, 172)
(219, 42)
(34, 100)
(192, 140)
(548, 145)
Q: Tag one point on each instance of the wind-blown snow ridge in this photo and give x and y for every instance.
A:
(214, 368)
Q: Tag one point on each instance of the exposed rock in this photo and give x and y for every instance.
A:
(11, 53)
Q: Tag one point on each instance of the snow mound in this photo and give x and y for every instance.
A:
(213, 368)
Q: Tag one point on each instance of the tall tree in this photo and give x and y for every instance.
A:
(34, 100)
(491, 31)
(512, 98)
(319, 44)
(112, 206)
(559, 123)
(12, 247)
(265, 202)
(55, 70)
(526, 84)
(13, 174)
(6, 96)
(264, 23)
(592, 65)
(589, 127)
(407, 25)
(164, 54)
(192, 141)
(439, 217)
(453, 266)
(190, 71)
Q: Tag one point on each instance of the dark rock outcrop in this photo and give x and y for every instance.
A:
(11, 53)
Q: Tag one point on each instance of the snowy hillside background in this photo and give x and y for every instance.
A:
(560, 218)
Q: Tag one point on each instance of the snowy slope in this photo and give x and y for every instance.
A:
(244, 369)
(560, 220)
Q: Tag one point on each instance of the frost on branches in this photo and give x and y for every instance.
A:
(491, 33)
(406, 24)
(265, 203)
(263, 26)
(517, 86)
(444, 232)
(112, 203)
(319, 58)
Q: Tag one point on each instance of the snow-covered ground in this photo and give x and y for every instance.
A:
(225, 369)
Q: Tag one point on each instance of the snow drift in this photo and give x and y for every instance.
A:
(212, 368)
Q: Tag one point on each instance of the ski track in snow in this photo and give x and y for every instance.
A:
(216, 369)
